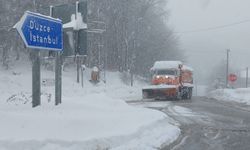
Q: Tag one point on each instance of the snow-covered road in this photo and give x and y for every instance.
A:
(209, 124)
(206, 124)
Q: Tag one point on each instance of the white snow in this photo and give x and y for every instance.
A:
(240, 95)
(147, 140)
(76, 22)
(185, 67)
(188, 84)
(183, 111)
(161, 86)
(95, 69)
(166, 65)
(92, 117)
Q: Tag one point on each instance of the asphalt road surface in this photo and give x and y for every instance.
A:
(212, 125)
(217, 126)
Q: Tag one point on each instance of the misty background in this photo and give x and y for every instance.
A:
(205, 48)
(135, 33)
(138, 33)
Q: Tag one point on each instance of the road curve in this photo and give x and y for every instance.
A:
(212, 125)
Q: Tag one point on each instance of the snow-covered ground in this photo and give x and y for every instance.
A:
(90, 117)
(240, 95)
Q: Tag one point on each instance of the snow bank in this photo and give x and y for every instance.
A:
(153, 137)
(241, 95)
(78, 118)
(92, 117)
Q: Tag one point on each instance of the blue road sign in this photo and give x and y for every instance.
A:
(39, 31)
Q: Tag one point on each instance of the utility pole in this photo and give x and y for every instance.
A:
(227, 70)
(247, 78)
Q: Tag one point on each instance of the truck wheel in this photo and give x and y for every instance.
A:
(178, 96)
(184, 93)
(144, 94)
(190, 93)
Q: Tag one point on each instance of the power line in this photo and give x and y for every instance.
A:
(215, 27)
(197, 52)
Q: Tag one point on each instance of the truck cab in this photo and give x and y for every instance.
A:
(165, 76)
(170, 80)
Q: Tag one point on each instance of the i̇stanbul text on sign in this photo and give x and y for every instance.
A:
(39, 31)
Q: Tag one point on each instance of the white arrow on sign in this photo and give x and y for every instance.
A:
(40, 31)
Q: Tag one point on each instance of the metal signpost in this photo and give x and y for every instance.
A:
(74, 18)
(40, 32)
(247, 77)
(232, 77)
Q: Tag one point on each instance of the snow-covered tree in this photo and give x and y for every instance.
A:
(135, 32)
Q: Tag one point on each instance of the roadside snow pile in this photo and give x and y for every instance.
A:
(92, 117)
(241, 95)
(77, 119)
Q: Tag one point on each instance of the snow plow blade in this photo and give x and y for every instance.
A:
(160, 92)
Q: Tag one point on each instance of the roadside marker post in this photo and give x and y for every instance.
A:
(43, 33)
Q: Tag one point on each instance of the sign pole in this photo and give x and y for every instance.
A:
(41, 32)
(58, 73)
(77, 47)
(82, 75)
(227, 69)
(58, 79)
(36, 84)
(77, 57)
(247, 77)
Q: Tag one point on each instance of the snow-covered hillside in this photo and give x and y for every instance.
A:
(90, 117)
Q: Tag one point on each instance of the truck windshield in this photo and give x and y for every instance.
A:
(166, 72)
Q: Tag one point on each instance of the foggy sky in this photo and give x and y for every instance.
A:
(204, 50)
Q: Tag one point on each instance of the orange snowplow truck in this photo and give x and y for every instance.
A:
(170, 80)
